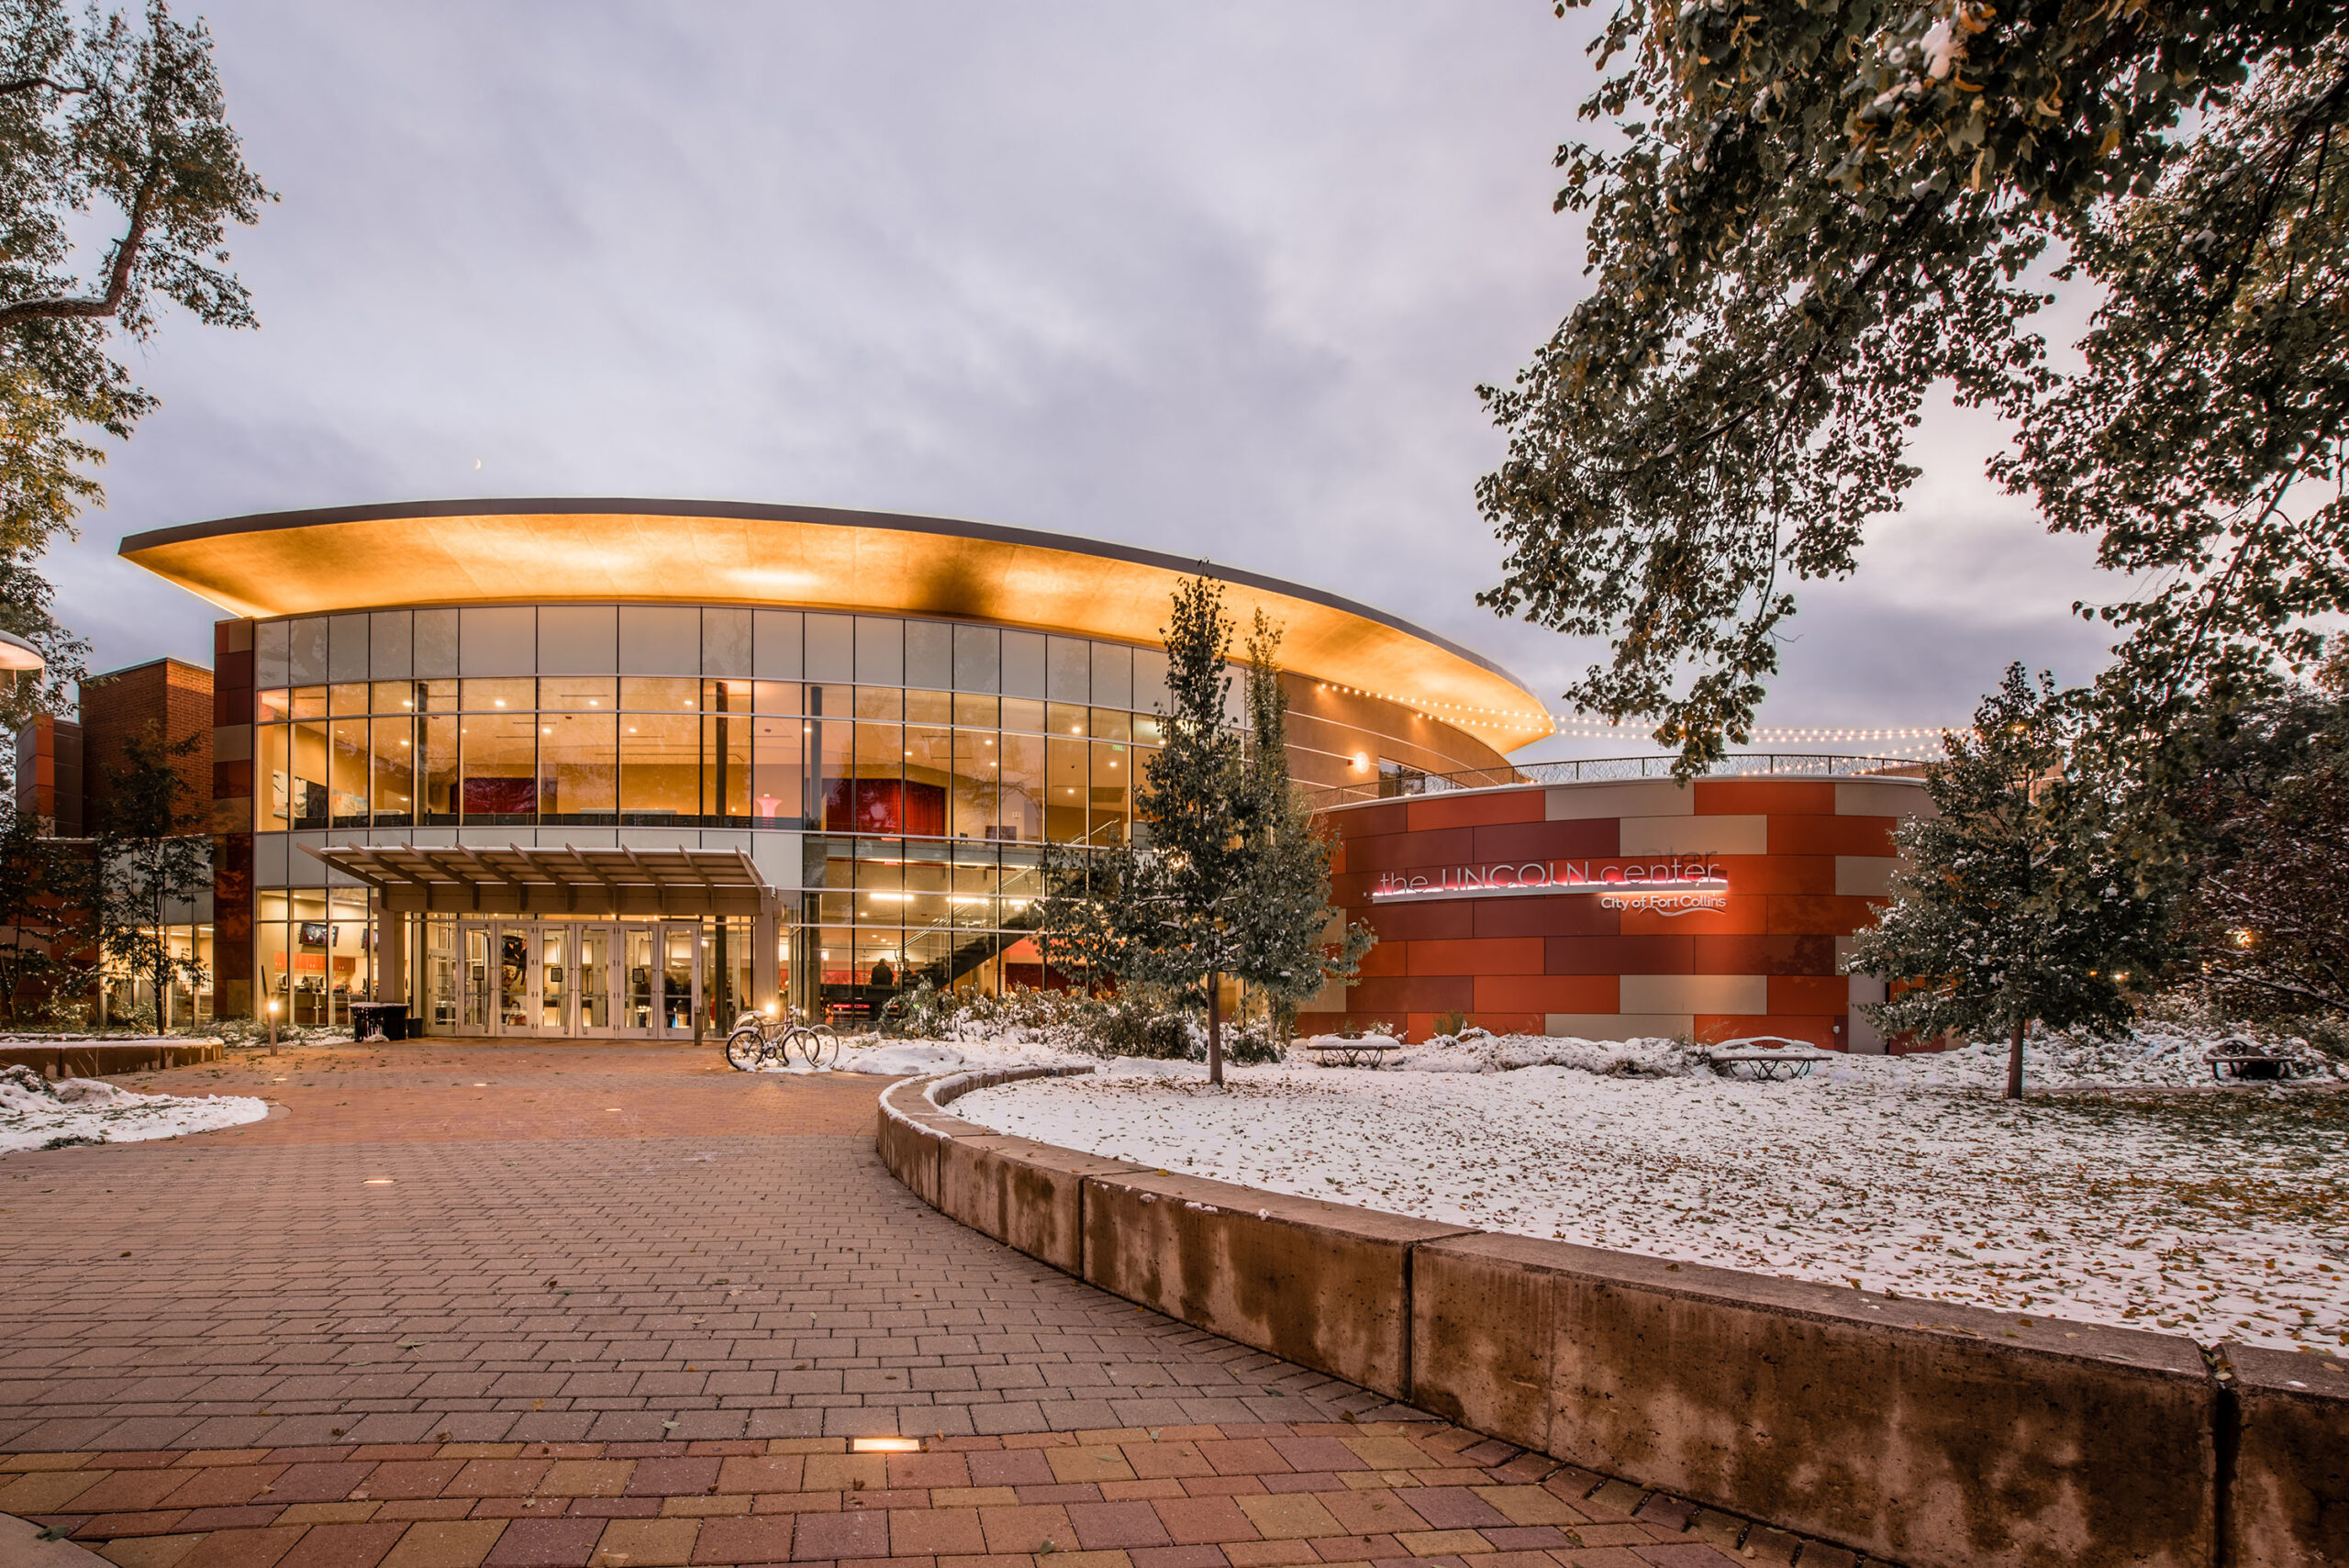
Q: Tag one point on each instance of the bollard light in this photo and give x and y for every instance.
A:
(272, 1025)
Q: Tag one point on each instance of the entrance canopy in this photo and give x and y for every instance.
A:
(464, 879)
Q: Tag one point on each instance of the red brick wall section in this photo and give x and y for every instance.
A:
(230, 792)
(1805, 862)
(117, 707)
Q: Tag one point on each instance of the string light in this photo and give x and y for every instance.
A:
(1920, 740)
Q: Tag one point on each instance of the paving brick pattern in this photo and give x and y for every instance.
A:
(453, 1305)
(1232, 1496)
(568, 1254)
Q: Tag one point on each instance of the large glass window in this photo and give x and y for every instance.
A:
(501, 772)
(438, 769)
(1110, 793)
(778, 787)
(930, 761)
(272, 783)
(660, 767)
(579, 767)
(1023, 787)
(1065, 798)
(347, 780)
(392, 773)
(726, 731)
(307, 770)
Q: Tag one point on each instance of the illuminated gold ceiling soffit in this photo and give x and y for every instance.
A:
(541, 550)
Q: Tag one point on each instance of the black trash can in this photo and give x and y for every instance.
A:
(389, 1018)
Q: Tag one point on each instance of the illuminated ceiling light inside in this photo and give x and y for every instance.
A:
(501, 702)
(377, 1182)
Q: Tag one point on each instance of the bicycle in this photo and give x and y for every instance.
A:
(757, 1040)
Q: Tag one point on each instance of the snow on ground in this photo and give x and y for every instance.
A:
(2217, 1215)
(37, 1114)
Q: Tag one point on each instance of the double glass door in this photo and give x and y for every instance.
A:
(548, 978)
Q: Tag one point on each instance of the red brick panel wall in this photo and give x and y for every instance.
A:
(174, 698)
(1804, 860)
(230, 791)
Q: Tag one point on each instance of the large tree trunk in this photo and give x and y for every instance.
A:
(1214, 1027)
(2014, 1063)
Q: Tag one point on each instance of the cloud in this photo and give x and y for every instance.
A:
(1218, 279)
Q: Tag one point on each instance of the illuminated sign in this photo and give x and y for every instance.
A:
(1619, 883)
(1666, 903)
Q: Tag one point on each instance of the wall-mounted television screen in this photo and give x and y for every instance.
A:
(314, 933)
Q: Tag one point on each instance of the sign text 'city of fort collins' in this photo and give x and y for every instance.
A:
(1697, 883)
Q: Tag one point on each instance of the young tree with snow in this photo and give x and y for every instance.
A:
(43, 911)
(150, 853)
(1170, 911)
(1227, 874)
(2019, 902)
(1805, 219)
(1287, 952)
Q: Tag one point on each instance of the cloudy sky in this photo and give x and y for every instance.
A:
(1216, 279)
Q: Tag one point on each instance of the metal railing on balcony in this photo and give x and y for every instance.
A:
(1595, 770)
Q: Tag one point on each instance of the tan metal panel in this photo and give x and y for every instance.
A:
(1865, 876)
(1694, 835)
(1634, 798)
(1695, 993)
(1883, 797)
(1618, 1026)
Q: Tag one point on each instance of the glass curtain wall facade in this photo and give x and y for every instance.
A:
(899, 776)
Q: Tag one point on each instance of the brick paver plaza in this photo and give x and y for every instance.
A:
(454, 1304)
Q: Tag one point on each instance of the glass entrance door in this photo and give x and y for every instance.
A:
(554, 978)
(597, 979)
(680, 979)
(553, 1005)
(474, 941)
(642, 998)
(515, 979)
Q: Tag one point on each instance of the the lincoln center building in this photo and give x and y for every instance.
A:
(621, 768)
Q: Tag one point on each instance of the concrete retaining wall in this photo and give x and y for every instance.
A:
(98, 1059)
(1935, 1436)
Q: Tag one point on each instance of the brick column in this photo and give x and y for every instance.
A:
(232, 818)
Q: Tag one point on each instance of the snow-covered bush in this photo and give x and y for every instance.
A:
(1479, 1051)
(1140, 1021)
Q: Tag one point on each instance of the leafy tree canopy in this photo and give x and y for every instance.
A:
(116, 128)
(1810, 215)
(2263, 931)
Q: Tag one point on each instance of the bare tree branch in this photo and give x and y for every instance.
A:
(126, 257)
(9, 89)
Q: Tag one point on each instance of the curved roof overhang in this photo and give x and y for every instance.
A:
(536, 552)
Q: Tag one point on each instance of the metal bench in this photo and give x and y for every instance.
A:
(1336, 1050)
(1765, 1058)
(2244, 1060)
